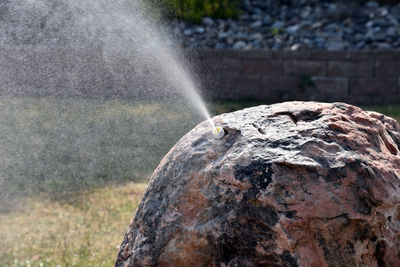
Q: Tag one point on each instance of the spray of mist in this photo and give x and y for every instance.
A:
(130, 29)
(61, 143)
(126, 30)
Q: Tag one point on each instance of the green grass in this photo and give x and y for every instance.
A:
(85, 231)
(219, 107)
(194, 10)
(389, 110)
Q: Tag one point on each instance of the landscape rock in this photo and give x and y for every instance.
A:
(392, 32)
(296, 22)
(239, 45)
(256, 24)
(293, 29)
(278, 24)
(291, 184)
(308, 21)
(208, 21)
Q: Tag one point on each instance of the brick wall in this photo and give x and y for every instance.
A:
(357, 77)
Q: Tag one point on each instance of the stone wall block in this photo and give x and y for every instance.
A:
(387, 68)
(305, 67)
(264, 67)
(350, 68)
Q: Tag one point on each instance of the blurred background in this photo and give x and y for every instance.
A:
(94, 93)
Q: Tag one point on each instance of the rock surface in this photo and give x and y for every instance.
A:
(291, 184)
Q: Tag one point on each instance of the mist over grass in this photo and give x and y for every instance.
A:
(61, 146)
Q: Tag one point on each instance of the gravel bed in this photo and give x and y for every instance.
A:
(298, 24)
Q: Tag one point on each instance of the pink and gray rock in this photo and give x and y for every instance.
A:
(291, 184)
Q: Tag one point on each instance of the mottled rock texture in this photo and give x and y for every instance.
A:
(291, 184)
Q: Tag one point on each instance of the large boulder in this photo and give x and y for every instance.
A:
(291, 184)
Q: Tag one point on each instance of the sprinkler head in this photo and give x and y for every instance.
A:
(218, 132)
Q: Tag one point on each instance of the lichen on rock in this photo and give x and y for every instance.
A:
(291, 184)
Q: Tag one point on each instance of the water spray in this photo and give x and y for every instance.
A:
(218, 132)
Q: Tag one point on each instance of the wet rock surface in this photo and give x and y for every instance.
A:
(291, 184)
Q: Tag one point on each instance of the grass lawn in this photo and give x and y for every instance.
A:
(84, 231)
(102, 150)
(390, 110)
